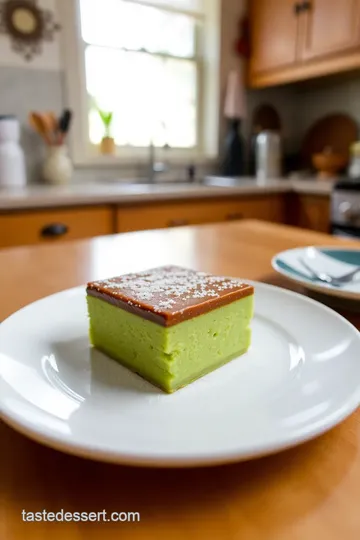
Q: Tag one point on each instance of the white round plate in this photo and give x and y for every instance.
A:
(332, 260)
(300, 378)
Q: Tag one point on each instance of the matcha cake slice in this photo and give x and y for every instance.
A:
(170, 325)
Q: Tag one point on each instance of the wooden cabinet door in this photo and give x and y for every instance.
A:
(197, 212)
(329, 27)
(161, 215)
(267, 208)
(313, 212)
(274, 27)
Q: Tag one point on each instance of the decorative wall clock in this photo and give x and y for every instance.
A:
(28, 26)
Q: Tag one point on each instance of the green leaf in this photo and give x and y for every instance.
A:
(106, 116)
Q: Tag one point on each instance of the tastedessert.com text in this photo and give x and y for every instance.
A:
(62, 516)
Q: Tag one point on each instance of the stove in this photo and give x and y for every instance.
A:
(345, 208)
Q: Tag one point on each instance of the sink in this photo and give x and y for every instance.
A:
(224, 181)
(130, 186)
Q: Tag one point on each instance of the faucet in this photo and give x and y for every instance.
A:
(155, 167)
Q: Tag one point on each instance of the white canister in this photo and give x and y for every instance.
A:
(268, 155)
(12, 159)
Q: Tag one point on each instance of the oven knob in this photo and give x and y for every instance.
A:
(350, 213)
(346, 211)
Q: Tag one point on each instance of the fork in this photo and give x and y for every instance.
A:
(328, 278)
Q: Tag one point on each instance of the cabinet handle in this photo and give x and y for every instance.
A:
(300, 7)
(54, 229)
(178, 222)
(297, 8)
(234, 215)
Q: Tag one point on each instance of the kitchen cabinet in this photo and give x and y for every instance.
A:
(36, 227)
(295, 40)
(329, 26)
(311, 212)
(274, 34)
(25, 227)
(173, 214)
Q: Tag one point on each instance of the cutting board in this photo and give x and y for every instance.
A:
(335, 131)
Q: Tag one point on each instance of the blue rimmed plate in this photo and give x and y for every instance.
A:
(331, 260)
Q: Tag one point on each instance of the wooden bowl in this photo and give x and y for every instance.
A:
(328, 165)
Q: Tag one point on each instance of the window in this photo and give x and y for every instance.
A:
(145, 62)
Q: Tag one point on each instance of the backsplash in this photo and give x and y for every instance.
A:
(281, 98)
(319, 98)
(300, 105)
(23, 90)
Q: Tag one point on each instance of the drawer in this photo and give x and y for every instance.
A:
(172, 214)
(313, 212)
(161, 215)
(55, 225)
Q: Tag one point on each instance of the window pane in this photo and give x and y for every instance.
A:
(151, 97)
(115, 23)
(193, 6)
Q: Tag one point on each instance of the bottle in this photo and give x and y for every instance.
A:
(12, 159)
(234, 153)
(233, 162)
(268, 155)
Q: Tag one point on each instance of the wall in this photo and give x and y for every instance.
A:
(281, 98)
(23, 90)
(319, 98)
(34, 85)
(49, 59)
(231, 12)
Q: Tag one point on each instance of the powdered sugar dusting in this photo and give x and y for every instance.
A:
(168, 288)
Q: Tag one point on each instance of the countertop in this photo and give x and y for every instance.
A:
(309, 492)
(119, 193)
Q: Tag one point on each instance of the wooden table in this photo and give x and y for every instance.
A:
(309, 493)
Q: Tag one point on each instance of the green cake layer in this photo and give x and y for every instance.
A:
(171, 357)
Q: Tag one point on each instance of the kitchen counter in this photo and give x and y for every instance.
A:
(119, 193)
(309, 492)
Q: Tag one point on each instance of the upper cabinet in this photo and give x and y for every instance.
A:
(273, 22)
(329, 27)
(297, 40)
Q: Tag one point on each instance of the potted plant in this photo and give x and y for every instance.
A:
(107, 145)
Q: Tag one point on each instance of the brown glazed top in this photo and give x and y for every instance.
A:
(169, 295)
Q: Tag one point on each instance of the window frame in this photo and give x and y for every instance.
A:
(208, 63)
